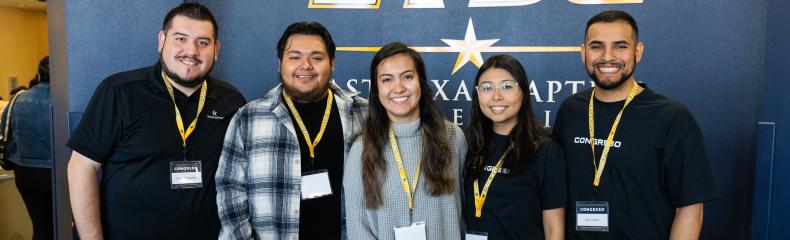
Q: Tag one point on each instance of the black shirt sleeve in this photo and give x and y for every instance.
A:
(555, 182)
(558, 124)
(688, 175)
(100, 128)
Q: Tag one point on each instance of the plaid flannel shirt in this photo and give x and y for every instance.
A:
(259, 175)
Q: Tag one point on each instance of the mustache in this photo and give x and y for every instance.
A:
(612, 63)
(189, 57)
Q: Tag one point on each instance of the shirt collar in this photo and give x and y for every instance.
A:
(276, 92)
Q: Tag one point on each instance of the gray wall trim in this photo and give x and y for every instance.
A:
(56, 12)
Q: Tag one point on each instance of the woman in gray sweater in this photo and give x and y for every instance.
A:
(401, 178)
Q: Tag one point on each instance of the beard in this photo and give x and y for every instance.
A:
(188, 82)
(610, 85)
(314, 95)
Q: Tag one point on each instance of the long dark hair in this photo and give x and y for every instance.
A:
(525, 136)
(436, 157)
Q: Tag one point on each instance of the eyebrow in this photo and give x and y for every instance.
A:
(186, 35)
(622, 42)
(407, 71)
(400, 74)
(300, 52)
(615, 42)
(504, 80)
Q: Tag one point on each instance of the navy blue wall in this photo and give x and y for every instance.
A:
(89, 40)
(702, 53)
(707, 54)
(105, 37)
(773, 159)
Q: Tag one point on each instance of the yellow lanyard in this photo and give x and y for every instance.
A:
(480, 198)
(403, 179)
(310, 144)
(609, 140)
(179, 120)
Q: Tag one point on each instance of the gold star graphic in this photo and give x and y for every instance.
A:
(470, 48)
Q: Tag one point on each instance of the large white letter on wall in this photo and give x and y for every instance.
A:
(423, 3)
(373, 4)
(500, 3)
(605, 1)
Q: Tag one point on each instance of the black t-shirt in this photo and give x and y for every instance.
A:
(656, 164)
(319, 218)
(516, 199)
(129, 127)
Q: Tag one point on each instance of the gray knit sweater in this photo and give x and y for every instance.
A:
(442, 214)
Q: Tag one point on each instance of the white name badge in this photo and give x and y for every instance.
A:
(592, 216)
(470, 235)
(415, 231)
(186, 174)
(316, 185)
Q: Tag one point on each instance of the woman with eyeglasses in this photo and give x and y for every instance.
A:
(401, 178)
(514, 175)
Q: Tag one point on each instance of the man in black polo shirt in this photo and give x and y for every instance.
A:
(637, 167)
(155, 135)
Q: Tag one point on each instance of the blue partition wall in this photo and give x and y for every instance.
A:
(89, 40)
(702, 53)
(105, 37)
(707, 54)
(772, 168)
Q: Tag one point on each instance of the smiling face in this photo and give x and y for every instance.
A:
(399, 88)
(305, 68)
(500, 99)
(188, 50)
(610, 53)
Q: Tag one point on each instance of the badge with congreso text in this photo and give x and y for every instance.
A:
(592, 216)
(186, 174)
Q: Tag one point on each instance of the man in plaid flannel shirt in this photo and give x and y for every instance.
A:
(276, 146)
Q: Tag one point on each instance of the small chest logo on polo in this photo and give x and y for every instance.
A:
(214, 115)
(596, 141)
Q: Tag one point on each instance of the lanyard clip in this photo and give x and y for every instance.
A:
(411, 216)
(595, 193)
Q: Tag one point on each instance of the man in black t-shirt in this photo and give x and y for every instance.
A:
(147, 147)
(637, 167)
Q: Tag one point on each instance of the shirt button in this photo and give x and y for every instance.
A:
(294, 238)
(296, 161)
(296, 211)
